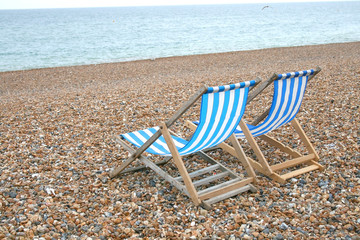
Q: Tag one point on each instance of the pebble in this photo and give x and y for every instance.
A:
(279, 237)
(283, 226)
(301, 230)
(12, 194)
(108, 214)
(57, 150)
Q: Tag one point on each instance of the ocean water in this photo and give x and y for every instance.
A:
(41, 38)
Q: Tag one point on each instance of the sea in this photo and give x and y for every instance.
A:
(41, 38)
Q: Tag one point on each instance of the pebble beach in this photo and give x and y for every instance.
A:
(57, 150)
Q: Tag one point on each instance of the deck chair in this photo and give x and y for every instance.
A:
(288, 93)
(220, 113)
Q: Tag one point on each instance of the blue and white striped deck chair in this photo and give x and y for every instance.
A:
(220, 113)
(288, 94)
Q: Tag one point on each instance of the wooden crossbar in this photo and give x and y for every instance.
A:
(210, 179)
(200, 171)
(293, 162)
(226, 188)
(299, 171)
(212, 188)
(229, 194)
(314, 162)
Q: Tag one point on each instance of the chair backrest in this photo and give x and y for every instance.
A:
(221, 111)
(289, 89)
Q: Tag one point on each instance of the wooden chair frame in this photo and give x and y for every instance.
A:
(184, 183)
(262, 165)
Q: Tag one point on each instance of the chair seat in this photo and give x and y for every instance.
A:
(159, 147)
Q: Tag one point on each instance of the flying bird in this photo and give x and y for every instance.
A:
(265, 7)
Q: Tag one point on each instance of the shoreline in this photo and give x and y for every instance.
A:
(57, 150)
(178, 56)
(78, 77)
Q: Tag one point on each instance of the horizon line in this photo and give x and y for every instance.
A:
(175, 5)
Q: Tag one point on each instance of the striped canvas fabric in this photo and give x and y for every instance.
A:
(289, 89)
(221, 110)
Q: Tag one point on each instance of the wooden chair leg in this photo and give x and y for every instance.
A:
(242, 157)
(256, 148)
(295, 123)
(155, 168)
(118, 170)
(180, 165)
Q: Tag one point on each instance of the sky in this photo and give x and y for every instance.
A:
(30, 4)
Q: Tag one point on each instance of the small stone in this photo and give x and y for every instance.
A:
(41, 229)
(220, 233)
(12, 194)
(104, 179)
(300, 230)
(85, 228)
(349, 227)
(283, 226)
(302, 181)
(323, 184)
(203, 212)
(279, 237)
(312, 219)
(238, 218)
(152, 183)
(108, 214)
(97, 229)
(247, 237)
